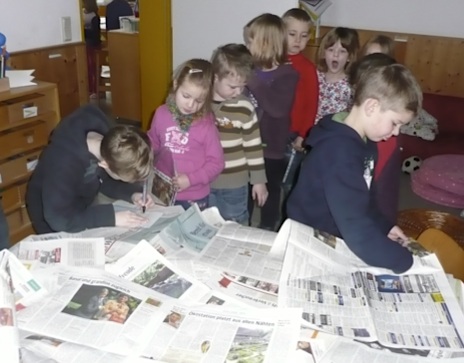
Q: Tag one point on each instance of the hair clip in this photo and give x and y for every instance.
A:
(195, 70)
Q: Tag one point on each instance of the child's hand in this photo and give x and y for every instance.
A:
(259, 193)
(137, 199)
(397, 235)
(128, 219)
(181, 182)
(298, 144)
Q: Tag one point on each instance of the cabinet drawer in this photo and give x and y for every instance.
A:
(22, 139)
(21, 108)
(11, 198)
(19, 168)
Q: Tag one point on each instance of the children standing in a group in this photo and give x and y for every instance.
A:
(185, 125)
(273, 86)
(91, 21)
(337, 51)
(298, 24)
(238, 127)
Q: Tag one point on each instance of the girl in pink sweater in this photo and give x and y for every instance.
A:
(185, 126)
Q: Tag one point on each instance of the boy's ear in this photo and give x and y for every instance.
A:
(103, 164)
(370, 106)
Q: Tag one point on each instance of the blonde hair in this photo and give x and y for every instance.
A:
(394, 86)
(200, 73)
(127, 152)
(386, 44)
(267, 39)
(232, 59)
(349, 40)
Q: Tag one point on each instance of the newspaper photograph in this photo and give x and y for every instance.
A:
(164, 171)
(145, 266)
(416, 310)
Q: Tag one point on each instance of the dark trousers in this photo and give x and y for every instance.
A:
(270, 211)
(4, 231)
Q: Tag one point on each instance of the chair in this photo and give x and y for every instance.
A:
(438, 232)
(103, 72)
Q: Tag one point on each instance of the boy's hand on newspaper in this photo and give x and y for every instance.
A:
(396, 234)
(128, 219)
(259, 193)
(137, 199)
(298, 144)
(181, 182)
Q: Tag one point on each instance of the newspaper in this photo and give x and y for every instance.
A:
(164, 171)
(147, 267)
(415, 310)
(212, 334)
(97, 309)
(346, 351)
(67, 251)
(9, 339)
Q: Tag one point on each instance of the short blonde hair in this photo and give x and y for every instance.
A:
(232, 59)
(394, 86)
(127, 151)
(349, 40)
(200, 73)
(268, 40)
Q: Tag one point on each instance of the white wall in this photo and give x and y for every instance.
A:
(429, 17)
(35, 24)
(199, 26)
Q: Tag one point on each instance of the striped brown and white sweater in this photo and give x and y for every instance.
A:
(238, 127)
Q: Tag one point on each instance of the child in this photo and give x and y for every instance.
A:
(333, 192)
(91, 21)
(379, 44)
(388, 167)
(185, 125)
(84, 157)
(240, 138)
(298, 24)
(337, 51)
(273, 86)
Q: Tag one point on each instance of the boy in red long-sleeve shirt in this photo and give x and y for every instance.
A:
(298, 24)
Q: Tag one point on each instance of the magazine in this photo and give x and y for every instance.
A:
(163, 172)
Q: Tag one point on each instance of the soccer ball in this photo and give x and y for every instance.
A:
(411, 164)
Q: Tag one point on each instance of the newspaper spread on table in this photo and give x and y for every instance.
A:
(415, 310)
(196, 288)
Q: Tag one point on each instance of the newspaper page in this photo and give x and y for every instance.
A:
(98, 310)
(27, 289)
(189, 231)
(243, 251)
(65, 251)
(346, 351)
(145, 266)
(36, 348)
(416, 310)
(9, 338)
(164, 170)
(211, 334)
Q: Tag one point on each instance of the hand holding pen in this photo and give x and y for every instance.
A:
(144, 196)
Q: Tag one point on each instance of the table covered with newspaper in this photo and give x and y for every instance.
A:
(189, 287)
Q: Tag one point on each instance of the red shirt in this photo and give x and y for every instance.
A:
(306, 95)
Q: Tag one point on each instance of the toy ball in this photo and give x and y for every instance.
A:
(2, 39)
(411, 164)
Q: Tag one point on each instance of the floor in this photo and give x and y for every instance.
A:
(408, 200)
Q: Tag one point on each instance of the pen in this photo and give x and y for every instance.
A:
(144, 196)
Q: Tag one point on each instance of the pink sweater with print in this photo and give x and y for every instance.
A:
(197, 153)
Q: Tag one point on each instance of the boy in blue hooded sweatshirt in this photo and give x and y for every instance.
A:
(335, 189)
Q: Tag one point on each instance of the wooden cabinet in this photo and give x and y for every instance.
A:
(124, 60)
(27, 116)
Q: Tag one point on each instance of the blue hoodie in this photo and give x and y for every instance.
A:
(335, 194)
